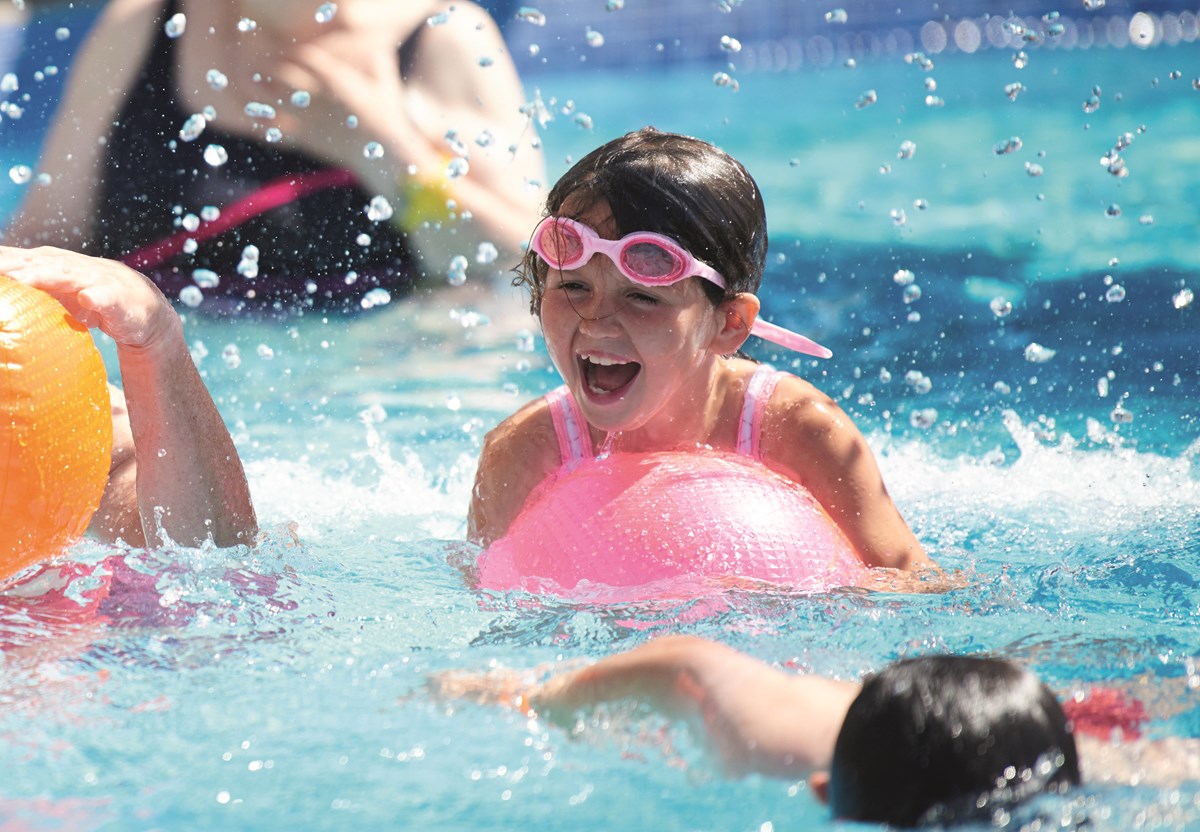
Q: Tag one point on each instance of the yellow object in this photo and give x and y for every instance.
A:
(426, 200)
(55, 427)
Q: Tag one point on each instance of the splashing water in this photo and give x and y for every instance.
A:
(176, 25)
(326, 12)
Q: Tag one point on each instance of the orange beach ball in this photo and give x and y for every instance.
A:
(55, 427)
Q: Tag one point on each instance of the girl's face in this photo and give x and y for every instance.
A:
(633, 356)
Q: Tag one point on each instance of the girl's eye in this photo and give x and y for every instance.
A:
(642, 297)
(572, 285)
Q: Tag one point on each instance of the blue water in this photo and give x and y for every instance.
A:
(283, 687)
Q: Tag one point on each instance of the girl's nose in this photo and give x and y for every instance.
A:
(598, 314)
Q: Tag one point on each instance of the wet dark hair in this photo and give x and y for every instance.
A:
(949, 738)
(670, 184)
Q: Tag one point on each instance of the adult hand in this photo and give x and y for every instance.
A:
(102, 294)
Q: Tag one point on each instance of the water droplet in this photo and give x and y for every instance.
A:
(934, 101)
(216, 79)
(9, 83)
(1035, 353)
(912, 293)
(1010, 146)
(232, 356)
(1091, 104)
(215, 155)
(379, 209)
(919, 59)
(363, 239)
(1102, 386)
(1120, 415)
(456, 275)
(531, 15)
(924, 418)
(20, 174)
(1115, 293)
(930, 85)
(273, 135)
(326, 12)
(193, 127)
(1034, 169)
(1055, 30)
(729, 44)
(373, 150)
(1113, 210)
(1020, 60)
(866, 100)
(836, 16)
(486, 253)
(724, 79)
(918, 381)
(256, 109)
(593, 38)
(206, 278)
(907, 150)
(11, 110)
(1146, 219)
(210, 213)
(190, 222)
(1182, 298)
(378, 296)
(614, 5)
(1013, 90)
(62, 33)
(453, 402)
(1001, 307)
(851, 63)
(456, 167)
(920, 204)
(486, 61)
(191, 296)
(352, 122)
(903, 277)
(176, 25)
(439, 19)
(1093, 5)
(524, 340)
(898, 216)
(190, 246)
(264, 352)
(247, 268)
(246, 25)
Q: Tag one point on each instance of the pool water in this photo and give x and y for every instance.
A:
(1048, 451)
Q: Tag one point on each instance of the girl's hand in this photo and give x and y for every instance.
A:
(102, 294)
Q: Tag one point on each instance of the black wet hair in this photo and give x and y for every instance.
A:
(679, 186)
(946, 739)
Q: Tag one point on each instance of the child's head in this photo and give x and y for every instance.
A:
(935, 734)
(674, 185)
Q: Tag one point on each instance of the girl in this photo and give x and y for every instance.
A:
(643, 276)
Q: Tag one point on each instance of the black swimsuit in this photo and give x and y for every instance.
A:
(311, 247)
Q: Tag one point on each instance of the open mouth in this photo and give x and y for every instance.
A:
(607, 376)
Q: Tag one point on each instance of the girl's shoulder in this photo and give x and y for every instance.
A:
(523, 449)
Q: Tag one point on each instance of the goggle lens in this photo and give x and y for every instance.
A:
(561, 243)
(651, 261)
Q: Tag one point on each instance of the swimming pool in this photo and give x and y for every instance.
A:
(1048, 451)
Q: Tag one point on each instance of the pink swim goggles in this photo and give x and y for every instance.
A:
(649, 259)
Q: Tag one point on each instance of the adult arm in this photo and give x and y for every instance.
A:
(807, 437)
(188, 479)
(61, 213)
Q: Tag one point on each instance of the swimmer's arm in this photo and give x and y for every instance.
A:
(517, 455)
(187, 468)
(754, 717)
(809, 438)
(99, 80)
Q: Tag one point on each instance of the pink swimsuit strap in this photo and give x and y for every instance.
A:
(574, 440)
(754, 409)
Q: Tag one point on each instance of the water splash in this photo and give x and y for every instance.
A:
(176, 25)
(326, 12)
(379, 209)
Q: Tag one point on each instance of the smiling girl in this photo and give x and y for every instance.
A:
(643, 276)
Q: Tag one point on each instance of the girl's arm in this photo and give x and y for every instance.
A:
(810, 439)
(517, 454)
(754, 717)
(100, 78)
(186, 474)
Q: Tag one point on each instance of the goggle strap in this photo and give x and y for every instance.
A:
(786, 338)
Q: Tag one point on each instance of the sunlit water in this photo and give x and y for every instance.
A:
(282, 687)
